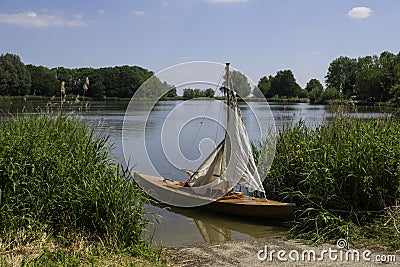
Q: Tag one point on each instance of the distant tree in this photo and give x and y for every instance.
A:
(342, 75)
(188, 93)
(79, 80)
(15, 78)
(43, 81)
(239, 84)
(97, 88)
(123, 81)
(368, 80)
(314, 90)
(198, 93)
(330, 93)
(312, 84)
(302, 93)
(153, 88)
(171, 92)
(394, 91)
(264, 87)
(209, 93)
(284, 84)
(390, 73)
(69, 77)
(193, 93)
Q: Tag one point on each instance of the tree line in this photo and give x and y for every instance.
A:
(190, 93)
(18, 79)
(368, 78)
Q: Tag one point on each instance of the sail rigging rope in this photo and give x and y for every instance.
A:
(204, 117)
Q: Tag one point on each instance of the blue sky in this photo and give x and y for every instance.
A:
(259, 37)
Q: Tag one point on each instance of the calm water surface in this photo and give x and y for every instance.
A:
(174, 227)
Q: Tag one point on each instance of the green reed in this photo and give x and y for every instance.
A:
(57, 178)
(342, 175)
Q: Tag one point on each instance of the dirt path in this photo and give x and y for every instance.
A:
(247, 253)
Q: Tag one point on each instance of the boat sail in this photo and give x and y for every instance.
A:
(232, 161)
(212, 186)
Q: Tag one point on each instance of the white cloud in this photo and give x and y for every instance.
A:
(315, 53)
(225, 1)
(138, 13)
(101, 12)
(359, 12)
(33, 19)
(76, 21)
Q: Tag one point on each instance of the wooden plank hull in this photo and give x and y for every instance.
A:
(247, 208)
(161, 188)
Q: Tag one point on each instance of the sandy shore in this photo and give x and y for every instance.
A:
(278, 252)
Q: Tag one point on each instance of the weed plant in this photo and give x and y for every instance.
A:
(57, 179)
(344, 177)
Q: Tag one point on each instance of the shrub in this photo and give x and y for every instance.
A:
(343, 174)
(57, 177)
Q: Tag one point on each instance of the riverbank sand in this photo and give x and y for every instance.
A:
(279, 252)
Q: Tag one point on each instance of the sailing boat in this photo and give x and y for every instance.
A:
(213, 185)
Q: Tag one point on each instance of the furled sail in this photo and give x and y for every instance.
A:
(231, 162)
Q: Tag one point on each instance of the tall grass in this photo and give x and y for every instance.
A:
(57, 178)
(342, 175)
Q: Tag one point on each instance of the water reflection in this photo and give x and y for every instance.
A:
(203, 226)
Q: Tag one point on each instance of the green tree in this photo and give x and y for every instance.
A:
(314, 90)
(284, 84)
(127, 79)
(43, 81)
(390, 71)
(342, 75)
(154, 88)
(97, 89)
(239, 84)
(368, 78)
(171, 92)
(394, 91)
(330, 93)
(15, 78)
(312, 84)
(94, 78)
(69, 76)
(188, 93)
(264, 87)
(209, 93)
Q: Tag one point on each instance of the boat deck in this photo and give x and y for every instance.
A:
(235, 204)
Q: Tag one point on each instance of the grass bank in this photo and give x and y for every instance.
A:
(62, 199)
(344, 177)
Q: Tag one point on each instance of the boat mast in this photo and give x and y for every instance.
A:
(228, 102)
(228, 91)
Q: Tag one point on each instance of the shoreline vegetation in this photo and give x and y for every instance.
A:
(344, 177)
(63, 200)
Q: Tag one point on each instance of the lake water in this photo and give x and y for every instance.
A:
(197, 136)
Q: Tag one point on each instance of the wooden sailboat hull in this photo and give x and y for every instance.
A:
(245, 206)
(254, 207)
